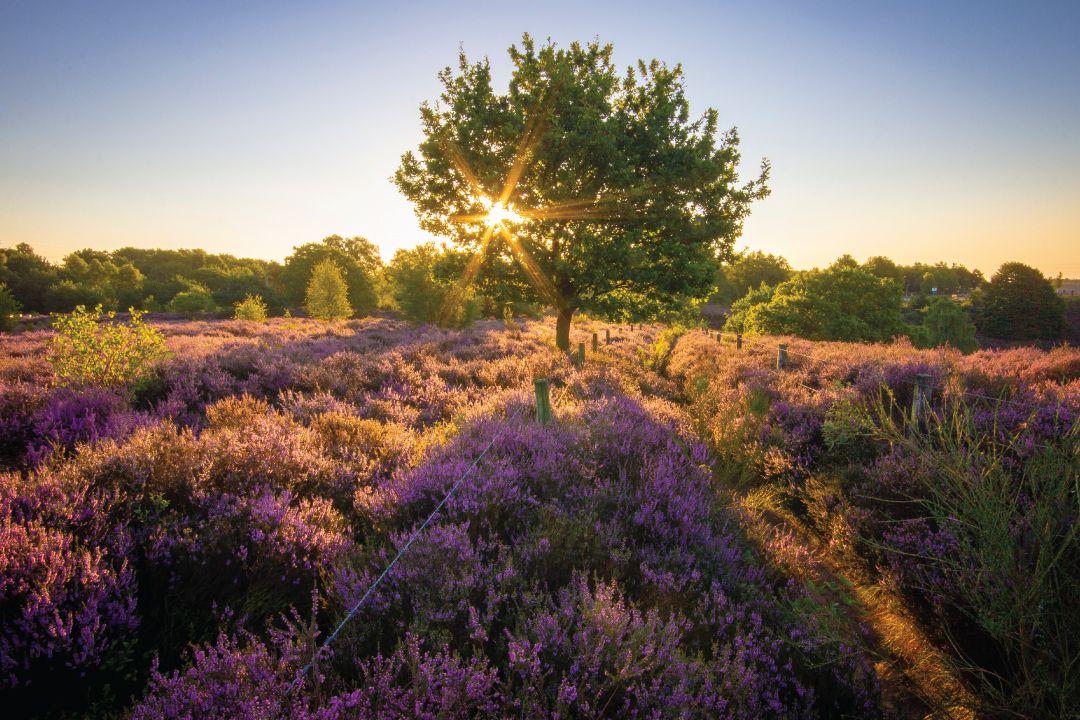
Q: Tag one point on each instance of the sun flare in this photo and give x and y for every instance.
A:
(497, 214)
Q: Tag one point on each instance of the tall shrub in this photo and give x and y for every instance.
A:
(87, 351)
(327, 295)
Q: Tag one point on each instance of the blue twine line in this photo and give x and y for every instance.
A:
(337, 631)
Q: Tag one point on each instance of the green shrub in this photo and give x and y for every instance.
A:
(195, 300)
(251, 307)
(9, 306)
(87, 351)
(327, 294)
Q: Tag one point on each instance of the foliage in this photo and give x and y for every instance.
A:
(9, 307)
(251, 307)
(92, 349)
(193, 301)
(28, 275)
(1020, 304)
(885, 269)
(946, 323)
(327, 295)
(418, 294)
(971, 515)
(750, 270)
(736, 320)
(626, 146)
(357, 260)
(839, 303)
(588, 568)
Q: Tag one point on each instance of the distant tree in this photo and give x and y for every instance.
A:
(27, 275)
(736, 320)
(748, 271)
(417, 292)
(883, 267)
(356, 258)
(839, 303)
(193, 301)
(9, 307)
(65, 295)
(251, 307)
(606, 147)
(946, 323)
(1020, 304)
(327, 296)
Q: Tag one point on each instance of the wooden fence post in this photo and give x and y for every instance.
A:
(781, 356)
(543, 401)
(595, 342)
(580, 356)
(607, 336)
(920, 403)
(738, 341)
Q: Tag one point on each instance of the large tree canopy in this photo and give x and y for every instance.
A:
(839, 303)
(1019, 303)
(628, 202)
(357, 259)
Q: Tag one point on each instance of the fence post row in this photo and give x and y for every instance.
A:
(781, 356)
(543, 401)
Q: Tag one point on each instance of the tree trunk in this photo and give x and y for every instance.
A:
(562, 329)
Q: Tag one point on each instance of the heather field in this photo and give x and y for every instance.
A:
(697, 534)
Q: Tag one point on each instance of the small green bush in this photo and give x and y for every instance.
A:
(251, 307)
(87, 351)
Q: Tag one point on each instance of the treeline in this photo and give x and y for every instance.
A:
(878, 300)
(417, 283)
(344, 277)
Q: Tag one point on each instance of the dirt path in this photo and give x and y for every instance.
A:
(916, 679)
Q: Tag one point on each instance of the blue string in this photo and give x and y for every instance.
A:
(337, 631)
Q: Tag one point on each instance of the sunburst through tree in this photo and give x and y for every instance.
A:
(597, 190)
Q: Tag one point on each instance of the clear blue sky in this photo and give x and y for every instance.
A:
(919, 130)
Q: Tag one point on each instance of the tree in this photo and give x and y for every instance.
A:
(327, 296)
(195, 300)
(27, 275)
(946, 323)
(418, 291)
(356, 258)
(883, 267)
(749, 271)
(625, 204)
(839, 303)
(1020, 304)
(736, 320)
(9, 307)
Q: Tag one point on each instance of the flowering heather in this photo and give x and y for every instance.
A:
(154, 540)
(969, 511)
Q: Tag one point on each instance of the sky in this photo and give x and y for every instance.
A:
(924, 131)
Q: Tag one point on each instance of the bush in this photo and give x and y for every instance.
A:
(9, 306)
(946, 323)
(251, 307)
(195, 300)
(327, 294)
(86, 351)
